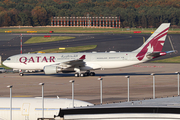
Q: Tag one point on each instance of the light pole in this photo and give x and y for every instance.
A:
(72, 81)
(100, 79)
(128, 77)
(10, 86)
(153, 74)
(178, 81)
(42, 84)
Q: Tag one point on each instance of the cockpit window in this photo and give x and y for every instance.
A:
(8, 59)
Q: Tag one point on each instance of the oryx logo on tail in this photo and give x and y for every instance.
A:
(154, 43)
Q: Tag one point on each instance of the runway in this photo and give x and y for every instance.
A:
(10, 43)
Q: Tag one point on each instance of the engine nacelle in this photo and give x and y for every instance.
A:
(51, 69)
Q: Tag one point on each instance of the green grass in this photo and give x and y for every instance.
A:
(47, 39)
(66, 30)
(83, 30)
(168, 60)
(69, 49)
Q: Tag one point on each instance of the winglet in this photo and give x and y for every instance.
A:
(82, 57)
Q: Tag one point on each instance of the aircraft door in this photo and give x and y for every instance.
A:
(129, 56)
(25, 110)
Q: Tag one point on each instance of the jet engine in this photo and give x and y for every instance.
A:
(50, 69)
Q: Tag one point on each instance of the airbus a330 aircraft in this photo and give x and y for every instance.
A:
(53, 63)
(31, 108)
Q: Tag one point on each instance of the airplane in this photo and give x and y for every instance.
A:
(31, 108)
(53, 63)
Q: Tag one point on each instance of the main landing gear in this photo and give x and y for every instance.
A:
(88, 73)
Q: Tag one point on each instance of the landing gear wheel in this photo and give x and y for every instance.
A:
(21, 74)
(86, 73)
(92, 74)
(82, 74)
(76, 74)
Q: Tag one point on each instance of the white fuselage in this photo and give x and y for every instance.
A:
(92, 60)
(31, 108)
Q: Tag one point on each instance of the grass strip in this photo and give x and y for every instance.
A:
(85, 30)
(168, 60)
(46, 39)
(69, 49)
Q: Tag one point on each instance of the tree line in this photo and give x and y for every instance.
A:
(133, 13)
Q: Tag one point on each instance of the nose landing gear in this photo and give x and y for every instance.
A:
(21, 73)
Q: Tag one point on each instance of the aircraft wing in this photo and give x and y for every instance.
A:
(51, 69)
(73, 63)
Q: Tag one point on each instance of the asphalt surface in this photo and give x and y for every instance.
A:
(10, 43)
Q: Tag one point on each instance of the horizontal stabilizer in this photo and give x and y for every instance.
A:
(158, 54)
(155, 55)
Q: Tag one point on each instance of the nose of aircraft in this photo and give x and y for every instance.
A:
(5, 62)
